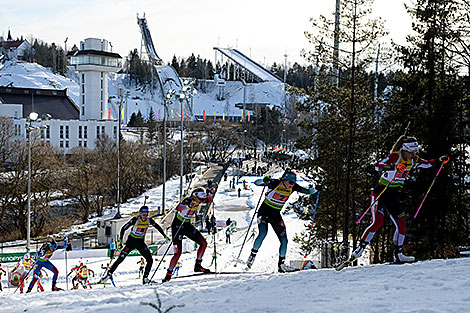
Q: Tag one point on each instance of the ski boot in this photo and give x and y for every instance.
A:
(198, 267)
(28, 291)
(146, 280)
(354, 256)
(359, 250)
(284, 268)
(251, 259)
(167, 276)
(105, 277)
(399, 257)
(54, 287)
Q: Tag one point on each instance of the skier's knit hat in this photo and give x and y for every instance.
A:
(144, 209)
(289, 175)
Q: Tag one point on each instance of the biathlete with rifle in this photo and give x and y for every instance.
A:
(42, 260)
(279, 191)
(394, 169)
(136, 240)
(182, 226)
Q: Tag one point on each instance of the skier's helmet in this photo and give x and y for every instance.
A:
(410, 144)
(290, 176)
(199, 193)
(144, 209)
(26, 256)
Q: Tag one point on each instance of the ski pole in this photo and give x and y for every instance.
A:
(145, 200)
(313, 220)
(377, 198)
(248, 230)
(66, 270)
(169, 245)
(443, 162)
(315, 210)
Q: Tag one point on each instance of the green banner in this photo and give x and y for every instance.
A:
(11, 257)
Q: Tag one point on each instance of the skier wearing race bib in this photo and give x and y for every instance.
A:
(136, 240)
(42, 260)
(182, 226)
(279, 191)
(394, 169)
(23, 267)
(84, 274)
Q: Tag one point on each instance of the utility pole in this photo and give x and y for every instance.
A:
(376, 87)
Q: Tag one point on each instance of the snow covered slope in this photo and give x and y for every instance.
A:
(31, 75)
(429, 286)
(23, 74)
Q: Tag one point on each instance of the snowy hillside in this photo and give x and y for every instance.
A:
(31, 75)
(429, 286)
(23, 74)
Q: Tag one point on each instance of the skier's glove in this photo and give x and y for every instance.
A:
(444, 159)
(266, 179)
(318, 187)
(401, 167)
(167, 239)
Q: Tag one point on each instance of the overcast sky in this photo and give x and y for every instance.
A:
(262, 29)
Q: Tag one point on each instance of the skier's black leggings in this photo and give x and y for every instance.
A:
(131, 244)
(180, 229)
(268, 215)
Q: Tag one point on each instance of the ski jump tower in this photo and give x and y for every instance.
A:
(168, 78)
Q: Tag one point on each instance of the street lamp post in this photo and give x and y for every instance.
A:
(167, 102)
(118, 145)
(33, 116)
(181, 98)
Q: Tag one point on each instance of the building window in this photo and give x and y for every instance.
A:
(83, 110)
(85, 132)
(61, 133)
(61, 144)
(83, 78)
(101, 83)
(67, 144)
(79, 143)
(80, 131)
(83, 88)
(67, 131)
(97, 132)
(48, 132)
(84, 144)
(83, 99)
(101, 97)
(115, 132)
(102, 130)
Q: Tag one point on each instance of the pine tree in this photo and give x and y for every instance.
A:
(152, 127)
(344, 117)
(433, 93)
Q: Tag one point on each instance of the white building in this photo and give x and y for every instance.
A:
(93, 62)
(72, 125)
(14, 49)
